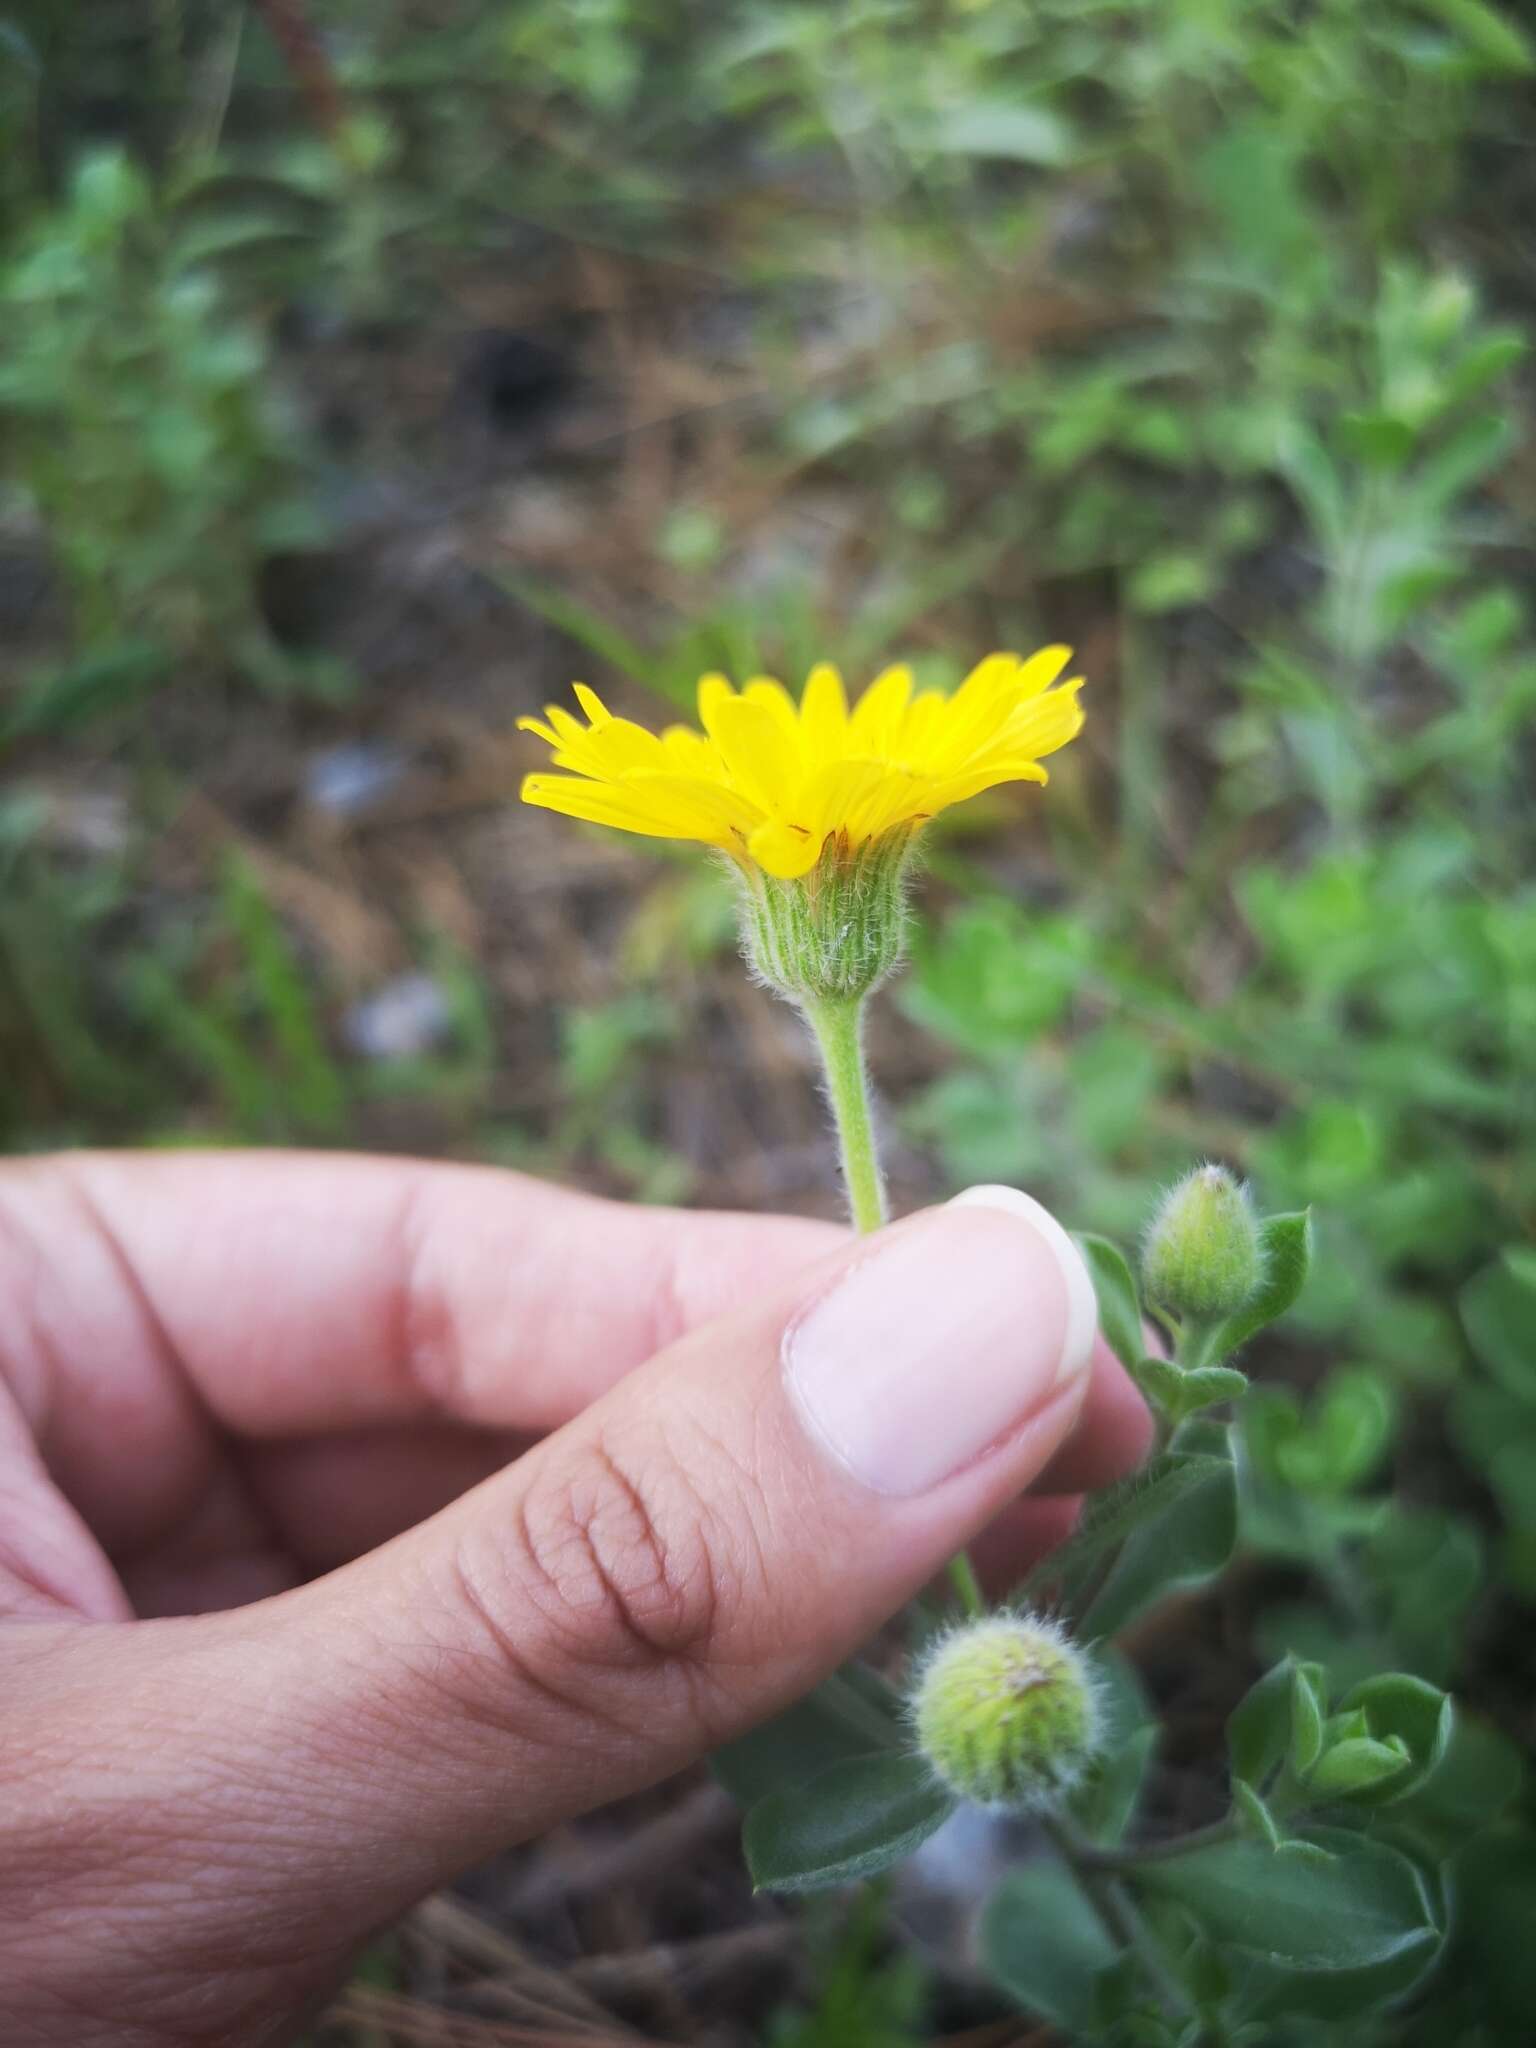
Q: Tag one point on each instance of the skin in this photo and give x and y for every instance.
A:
(359, 1518)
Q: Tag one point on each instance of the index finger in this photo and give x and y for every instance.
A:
(295, 1293)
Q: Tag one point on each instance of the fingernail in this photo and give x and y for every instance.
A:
(947, 1336)
(1082, 1302)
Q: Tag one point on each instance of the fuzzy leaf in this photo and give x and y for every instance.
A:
(1046, 1946)
(850, 1821)
(1287, 1248)
(1118, 1512)
(1185, 1542)
(1119, 1303)
(850, 1714)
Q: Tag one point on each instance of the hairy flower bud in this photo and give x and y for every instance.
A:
(1005, 1711)
(1202, 1257)
(834, 934)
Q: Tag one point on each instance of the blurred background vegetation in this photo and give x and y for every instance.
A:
(371, 367)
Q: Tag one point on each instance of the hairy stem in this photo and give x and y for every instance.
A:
(838, 1025)
(967, 1587)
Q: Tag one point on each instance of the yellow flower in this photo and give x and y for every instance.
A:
(771, 781)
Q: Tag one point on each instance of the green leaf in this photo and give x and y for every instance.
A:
(1004, 128)
(1356, 1766)
(1046, 1946)
(1364, 1907)
(850, 1821)
(1160, 1381)
(1408, 1711)
(1253, 1816)
(1206, 1386)
(849, 1715)
(1286, 1242)
(1307, 1708)
(1119, 1303)
(1259, 1727)
(1184, 1544)
(1478, 1778)
(1145, 1496)
(1498, 1312)
(97, 685)
(1487, 31)
(1104, 1805)
(1171, 581)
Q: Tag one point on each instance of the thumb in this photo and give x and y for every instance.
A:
(689, 1555)
(701, 1545)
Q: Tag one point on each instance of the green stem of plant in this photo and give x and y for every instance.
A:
(962, 1576)
(1117, 1911)
(839, 1030)
(1114, 1860)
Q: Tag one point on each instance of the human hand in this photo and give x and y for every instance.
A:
(361, 1518)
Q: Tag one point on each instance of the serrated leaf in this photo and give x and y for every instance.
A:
(849, 1822)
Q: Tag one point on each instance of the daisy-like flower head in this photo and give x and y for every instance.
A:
(772, 782)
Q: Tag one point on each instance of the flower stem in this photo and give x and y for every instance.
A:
(838, 1025)
(966, 1586)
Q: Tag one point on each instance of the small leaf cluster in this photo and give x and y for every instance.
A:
(1317, 1896)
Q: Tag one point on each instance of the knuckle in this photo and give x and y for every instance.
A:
(622, 1557)
(612, 1575)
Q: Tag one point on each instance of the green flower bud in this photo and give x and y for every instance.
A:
(1006, 1712)
(1202, 1257)
(834, 934)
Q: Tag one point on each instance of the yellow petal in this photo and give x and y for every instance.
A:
(713, 691)
(1041, 670)
(898, 797)
(599, 803)
(823, 715)
(620, 747)
(597, 711)
(774, 698)
(784, 850)
(1044, 723)
(709, 808)
(877, 715)
(763, 759)
(831, 798)
(959, 788)
(690, 753)
(921, 726)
